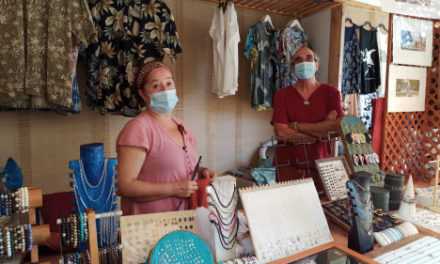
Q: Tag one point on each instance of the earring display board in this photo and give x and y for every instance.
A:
(423, 250)
(424, 218)
(140, 233)
(284, 218)
(334, 175)
(358, 150)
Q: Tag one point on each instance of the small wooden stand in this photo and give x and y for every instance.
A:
(434, 207)
(40, 234)
(92, 243)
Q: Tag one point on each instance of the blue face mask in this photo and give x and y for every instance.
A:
(305, 70)
(163, 102)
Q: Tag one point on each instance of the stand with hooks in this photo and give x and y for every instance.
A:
(300, 140)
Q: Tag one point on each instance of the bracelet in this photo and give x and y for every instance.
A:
(295, 125)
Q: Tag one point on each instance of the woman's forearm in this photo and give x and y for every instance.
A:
(320, 129)
(145, 191)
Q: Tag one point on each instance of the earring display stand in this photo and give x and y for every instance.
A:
(360, 155)
(435, 207)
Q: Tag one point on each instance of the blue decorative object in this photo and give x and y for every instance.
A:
(11, 175)
(94, 179)
(180, 247)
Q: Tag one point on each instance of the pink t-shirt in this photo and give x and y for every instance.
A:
(166, 161)
(289, 107)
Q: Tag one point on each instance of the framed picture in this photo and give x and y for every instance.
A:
(412, 41)
(406, 89)
(417, 8)
(334, 173)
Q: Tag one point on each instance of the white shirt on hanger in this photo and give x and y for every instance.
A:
(225, 34)
(216, 32)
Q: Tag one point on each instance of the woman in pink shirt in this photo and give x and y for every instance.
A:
(156, 155)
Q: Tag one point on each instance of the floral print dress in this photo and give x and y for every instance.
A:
(130, 33)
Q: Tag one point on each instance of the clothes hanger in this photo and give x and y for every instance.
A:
(266, 18)
(348, 20)
(368, 23)
(295, 22)
(225, 5)
(383, 27)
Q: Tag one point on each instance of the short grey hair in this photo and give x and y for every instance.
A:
(315, 55)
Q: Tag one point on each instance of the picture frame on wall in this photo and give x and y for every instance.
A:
(406, 89)
(417, 8)
(412, 41)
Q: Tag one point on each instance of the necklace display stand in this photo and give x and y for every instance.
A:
(360, 237)
(222, 198)
(94, 179)
(94, 186)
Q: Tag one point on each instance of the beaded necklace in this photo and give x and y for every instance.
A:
(85, 180)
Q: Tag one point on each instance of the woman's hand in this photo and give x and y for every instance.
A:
(206, 173)
(184, 188)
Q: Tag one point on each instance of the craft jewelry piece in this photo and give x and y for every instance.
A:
(297, 203)
(111, 254)
(15, 240)
(358, 138)
(424, 218)
(73, 230)
(334, 175)
(425, 196)
(423, 250)
(394, 234)
(180, 247)
(222, 197)
(82, 257)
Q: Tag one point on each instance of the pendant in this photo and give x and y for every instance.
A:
(306, 102)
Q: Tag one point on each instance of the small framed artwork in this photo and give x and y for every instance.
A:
(406, 89)
(417, 8)
(334, 173)
(412, 41)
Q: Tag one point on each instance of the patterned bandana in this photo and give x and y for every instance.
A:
(145, 71)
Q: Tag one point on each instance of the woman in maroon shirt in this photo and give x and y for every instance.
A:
(304, 113)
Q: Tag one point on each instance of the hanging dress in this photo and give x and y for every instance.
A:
(259, 50)
(131, 33)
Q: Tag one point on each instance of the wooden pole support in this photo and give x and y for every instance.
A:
(93, 238)
(40, 234)
(35, 198)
